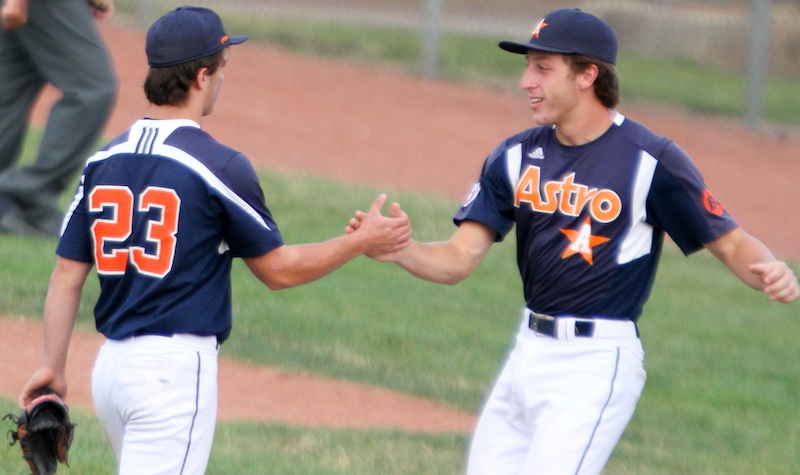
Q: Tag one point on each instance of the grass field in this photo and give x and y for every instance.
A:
(722, 360)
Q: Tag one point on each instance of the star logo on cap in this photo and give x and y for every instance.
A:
(538, 29)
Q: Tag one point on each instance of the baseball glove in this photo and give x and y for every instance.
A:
(44, 432)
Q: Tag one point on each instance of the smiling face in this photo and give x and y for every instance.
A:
(553, 89)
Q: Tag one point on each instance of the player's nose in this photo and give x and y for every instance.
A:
(528, 81)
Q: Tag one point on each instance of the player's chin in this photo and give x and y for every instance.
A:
(542, 119)
(540, 116)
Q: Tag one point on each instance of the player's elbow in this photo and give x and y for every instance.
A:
(454, 279)
(277, 278)
(271, 271)
(276, 284)
(457, 279)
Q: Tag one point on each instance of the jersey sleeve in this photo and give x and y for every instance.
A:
(491, 201)
(75, 242)
(249, 228)
(682, 205)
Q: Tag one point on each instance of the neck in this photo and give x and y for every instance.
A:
(174, 112)
(585, 126)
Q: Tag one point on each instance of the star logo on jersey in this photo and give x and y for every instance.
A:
(538, 29)
(582, 241)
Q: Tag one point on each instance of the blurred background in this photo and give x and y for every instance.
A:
(730, 57)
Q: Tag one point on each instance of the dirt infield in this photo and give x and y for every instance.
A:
(358, 125)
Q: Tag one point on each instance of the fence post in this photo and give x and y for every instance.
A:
(759, 62)
(431, 37)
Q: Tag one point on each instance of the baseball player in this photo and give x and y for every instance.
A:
(592, 194)
(160, 212)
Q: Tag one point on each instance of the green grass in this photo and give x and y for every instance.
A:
(722, 372)
(477, 60)
(243, 448)
(722, 360)
(259, 449)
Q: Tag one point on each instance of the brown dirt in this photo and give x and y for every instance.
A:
(357, 125)
(246, 392)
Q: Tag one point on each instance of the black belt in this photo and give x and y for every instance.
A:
(548, 326)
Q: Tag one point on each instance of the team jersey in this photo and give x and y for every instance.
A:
(590, 219)
(161, 212)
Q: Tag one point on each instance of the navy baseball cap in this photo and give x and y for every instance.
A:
(185, 34)
(570, 31)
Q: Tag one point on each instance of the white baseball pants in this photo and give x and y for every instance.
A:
(156, 398)
(560, 405)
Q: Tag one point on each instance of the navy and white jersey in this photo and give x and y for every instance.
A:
(161, 212)
(590, 219)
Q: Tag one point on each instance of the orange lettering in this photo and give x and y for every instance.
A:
(606, 206)
(112, 231)
(528, 182)
(160, 232)
(566, 196)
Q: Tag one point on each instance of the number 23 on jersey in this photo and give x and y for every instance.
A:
(113, 249)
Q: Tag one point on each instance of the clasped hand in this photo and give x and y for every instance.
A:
(382, 235)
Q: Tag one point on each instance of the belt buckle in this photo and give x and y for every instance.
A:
(584, 328)
(543, 324)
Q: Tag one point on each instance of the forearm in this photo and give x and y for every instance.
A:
(438, 262)
(739, 251)
(309, 262)
(61, 310)
(290, 266)
(448, 262)
(755, 265)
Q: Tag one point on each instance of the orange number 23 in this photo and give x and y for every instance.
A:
(117, 229)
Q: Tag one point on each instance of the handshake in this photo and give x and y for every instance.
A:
(384, 237)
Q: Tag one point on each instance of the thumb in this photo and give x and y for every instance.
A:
(395, 211)
(378, 204)
(759, 270)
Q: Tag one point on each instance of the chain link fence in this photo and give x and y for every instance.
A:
(758, 39)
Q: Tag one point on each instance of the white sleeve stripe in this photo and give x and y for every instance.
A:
(638, 240)
(213, 181)
(513, 164)
(178, 155)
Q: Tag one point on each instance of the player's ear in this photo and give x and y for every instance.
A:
(201, 79)
(587, 77)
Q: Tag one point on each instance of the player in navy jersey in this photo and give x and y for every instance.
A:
(160, 213)
(592, 194)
